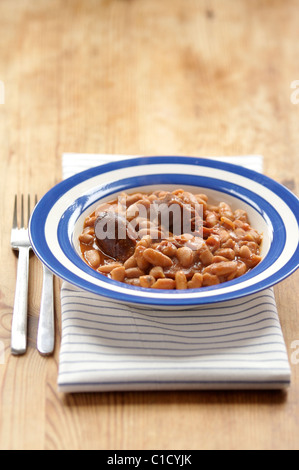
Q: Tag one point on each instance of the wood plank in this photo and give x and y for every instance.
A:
(188, 77)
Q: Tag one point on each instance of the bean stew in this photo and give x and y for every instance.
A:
(143, 240)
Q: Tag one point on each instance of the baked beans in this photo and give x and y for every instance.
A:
(219, 246)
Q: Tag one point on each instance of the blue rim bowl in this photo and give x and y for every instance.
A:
(58, 220)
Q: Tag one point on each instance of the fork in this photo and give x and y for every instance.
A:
(20, 242)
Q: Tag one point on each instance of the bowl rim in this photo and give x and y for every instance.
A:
(54, 194)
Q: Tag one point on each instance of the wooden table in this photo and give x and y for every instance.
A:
(185, 77)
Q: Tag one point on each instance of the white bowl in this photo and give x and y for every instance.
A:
(273, 210)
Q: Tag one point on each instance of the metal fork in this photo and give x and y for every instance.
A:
(20, 242)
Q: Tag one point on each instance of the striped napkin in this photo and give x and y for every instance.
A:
(111, 346)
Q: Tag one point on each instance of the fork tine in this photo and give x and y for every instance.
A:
(22, 211)
(15, 214)
(29, 212)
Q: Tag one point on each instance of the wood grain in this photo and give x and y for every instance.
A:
(188, 77)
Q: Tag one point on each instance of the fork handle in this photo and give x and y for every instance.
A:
(19, 319)
(45, 335)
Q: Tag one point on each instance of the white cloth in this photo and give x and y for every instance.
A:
(111, 346)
